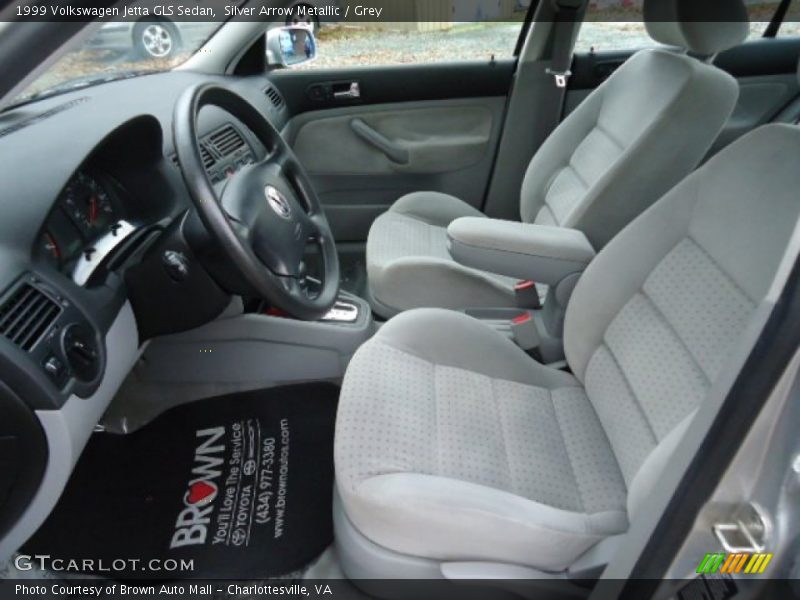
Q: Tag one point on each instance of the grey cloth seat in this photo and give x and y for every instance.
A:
(626, 145)
(452, 444)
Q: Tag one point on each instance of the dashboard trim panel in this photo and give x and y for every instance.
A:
(94, 257)
(68, 429)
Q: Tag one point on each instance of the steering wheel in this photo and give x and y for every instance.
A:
(267, 213)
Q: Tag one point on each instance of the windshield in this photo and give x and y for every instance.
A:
(118, 50)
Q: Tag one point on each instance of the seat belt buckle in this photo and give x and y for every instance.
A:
(524, 331)
(527, 295)
(561, 77)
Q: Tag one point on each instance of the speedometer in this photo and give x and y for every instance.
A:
(88, 204)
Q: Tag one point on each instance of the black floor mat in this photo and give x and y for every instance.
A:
(240, 484)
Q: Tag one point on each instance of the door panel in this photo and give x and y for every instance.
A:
(406, 83)
(760, 100)
(449, 146)
(441, 138)
(767, 74)
(364, 154)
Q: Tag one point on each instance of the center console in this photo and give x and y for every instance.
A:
(262, 347)
(344, 311)
(554, 257)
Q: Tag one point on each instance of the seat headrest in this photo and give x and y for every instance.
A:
(702, 27)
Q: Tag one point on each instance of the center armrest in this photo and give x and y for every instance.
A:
(537, 252)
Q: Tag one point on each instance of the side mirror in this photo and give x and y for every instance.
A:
(290, 46)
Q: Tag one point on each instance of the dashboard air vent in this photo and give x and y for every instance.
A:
(227, 140)
(274, 97)
(26, 316)
(208, 158)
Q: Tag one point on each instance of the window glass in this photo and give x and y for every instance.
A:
(619, 25)
(122, 49)
(606, 35)
(791, 24)
(475, 30)
(789, 29)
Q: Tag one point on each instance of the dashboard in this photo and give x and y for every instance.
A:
(96, 221)
(86, 228)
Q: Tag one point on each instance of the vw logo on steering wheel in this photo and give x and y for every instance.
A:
(278, 203)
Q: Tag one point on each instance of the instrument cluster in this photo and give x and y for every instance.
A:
(87, 210)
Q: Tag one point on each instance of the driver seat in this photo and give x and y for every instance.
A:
(452, 444)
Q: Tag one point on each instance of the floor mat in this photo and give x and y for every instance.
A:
(242, 485)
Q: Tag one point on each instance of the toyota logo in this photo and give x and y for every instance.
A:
(278, 203)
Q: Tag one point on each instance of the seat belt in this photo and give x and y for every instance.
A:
(566, 17)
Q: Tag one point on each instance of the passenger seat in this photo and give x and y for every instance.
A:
(625, 146)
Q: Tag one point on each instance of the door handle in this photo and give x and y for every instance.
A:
(393, 151)
(337, 91)
(347, 91)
